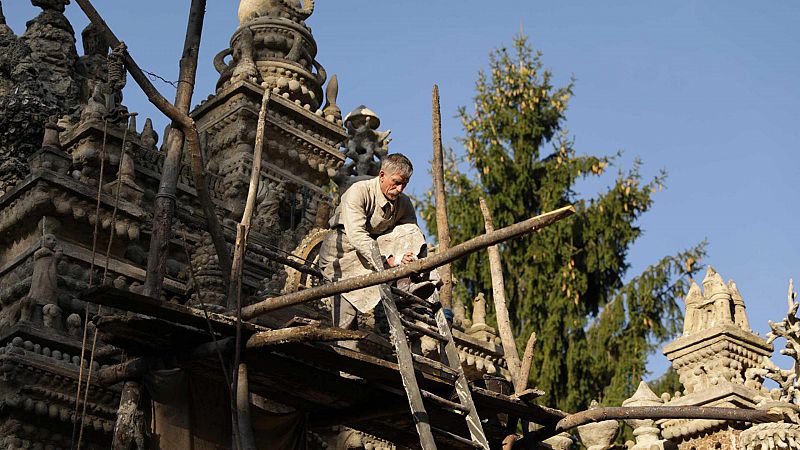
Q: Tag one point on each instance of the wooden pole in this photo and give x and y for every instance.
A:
(248, 439)
(182, 121)
(440, 194)
(237, 267)
(500, 307)
(164, 208)
(126, 429)
(418, 266)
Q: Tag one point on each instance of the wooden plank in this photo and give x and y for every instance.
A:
(462, 386)
(173, 312)
(406, 367)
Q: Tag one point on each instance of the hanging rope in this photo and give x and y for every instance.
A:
(105, 274)
(91, 278)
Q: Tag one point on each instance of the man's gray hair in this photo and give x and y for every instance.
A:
(397, 163)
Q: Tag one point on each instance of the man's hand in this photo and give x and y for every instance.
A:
(407, 258)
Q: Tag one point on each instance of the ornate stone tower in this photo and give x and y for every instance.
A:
(273, 49)
(718, 360)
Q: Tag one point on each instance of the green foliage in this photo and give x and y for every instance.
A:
(565, 282)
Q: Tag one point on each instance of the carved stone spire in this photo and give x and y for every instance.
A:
(739, 314)
(693, 317)
(716, 291)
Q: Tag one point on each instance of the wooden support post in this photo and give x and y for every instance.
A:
(500, 307)
(248, 439)
(440, 194)
(164, 208)
(237, 267)
(128, 428)
(182, 121)
(421, 265)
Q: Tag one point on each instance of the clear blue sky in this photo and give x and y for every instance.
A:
(707, 90)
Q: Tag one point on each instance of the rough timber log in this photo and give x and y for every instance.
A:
(665, 412)
(164, 208)
(421, 265)
(442, 225)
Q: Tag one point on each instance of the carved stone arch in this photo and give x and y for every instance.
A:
(306, 251)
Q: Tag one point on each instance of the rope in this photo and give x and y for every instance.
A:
(91, 278)
(105, 274)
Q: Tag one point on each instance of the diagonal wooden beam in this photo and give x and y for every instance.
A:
(418, 266)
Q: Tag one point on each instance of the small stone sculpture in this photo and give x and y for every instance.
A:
(74, 325)
(44, 282)
(52, 316)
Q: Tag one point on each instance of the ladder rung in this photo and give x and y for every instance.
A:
(456, 437)
(444, 402)
(414, 299)
(435, 364)
(417, 316)
(423, 330)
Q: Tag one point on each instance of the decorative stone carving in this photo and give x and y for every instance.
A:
(252, 9)
(771, 436)
(246, 68)
(44, 282)
(598, 435)
(268, 202)
(365, 148)
(149, 137)
(74, 325)
(52, 316)
(648, 436)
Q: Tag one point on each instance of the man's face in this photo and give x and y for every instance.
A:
(392, 184)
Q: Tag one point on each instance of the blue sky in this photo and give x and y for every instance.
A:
(707, 90)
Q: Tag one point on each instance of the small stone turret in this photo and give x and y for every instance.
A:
(716, 359)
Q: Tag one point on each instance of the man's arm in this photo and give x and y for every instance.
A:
(354, 218)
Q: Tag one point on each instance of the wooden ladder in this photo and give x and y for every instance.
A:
(405, 360)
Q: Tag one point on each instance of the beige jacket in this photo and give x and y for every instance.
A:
(365, 213)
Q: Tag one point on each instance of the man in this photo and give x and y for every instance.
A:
(371, 212)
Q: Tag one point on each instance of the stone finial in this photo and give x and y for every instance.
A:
(459, 311)
(149, 137)
(51, 131)
(693, 316)
(2, 16)
(739, 313)
(331, 111)
(479, 310)
(717, 293)
(648, 436)
(598, 435)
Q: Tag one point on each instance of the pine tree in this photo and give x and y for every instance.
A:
(567, 282)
